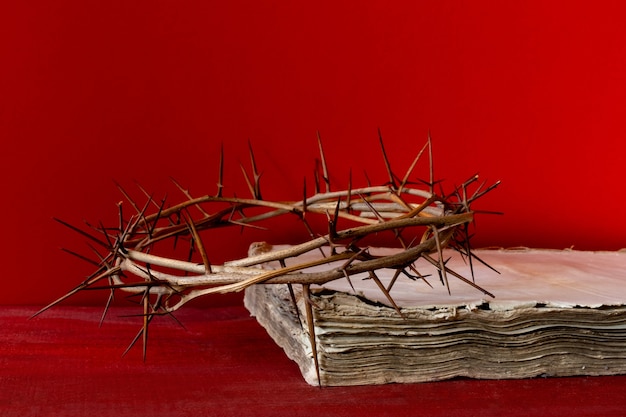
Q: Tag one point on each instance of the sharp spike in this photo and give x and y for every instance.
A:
(367, 179)
(127, 196)
(250, 186)
(411, 168)
(468, 249)
(420, 276)
(442, 266)
(120, 217)
(106, 308)
(392, 180)
(82, 257)
(372, 209)
(304, 196)
(431, 167)
(220, 175)
(374, 277)
(316, 177)
(255, 173)
(292, 296)
(457, 275)
(393, 280)
(473, 255)
(97, 276)
(349, 262)
(106, 235)
(132, 343)
(308, 308)
(326, 176)
(188, 195)
(146, 193)
(199, 244)
(157, 217)
(349, 196)
(490, 188)
(146, 321)
(82, 232)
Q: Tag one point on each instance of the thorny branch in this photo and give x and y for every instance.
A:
(429, 221)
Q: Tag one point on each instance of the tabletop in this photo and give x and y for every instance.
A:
(219, 361)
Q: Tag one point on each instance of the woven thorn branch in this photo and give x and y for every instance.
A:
(423, 222)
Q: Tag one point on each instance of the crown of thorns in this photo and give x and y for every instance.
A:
(423, 221)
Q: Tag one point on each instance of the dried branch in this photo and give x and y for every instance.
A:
(165, 284)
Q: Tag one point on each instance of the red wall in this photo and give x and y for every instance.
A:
(530, 93)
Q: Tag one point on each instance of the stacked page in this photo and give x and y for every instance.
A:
(555, 313)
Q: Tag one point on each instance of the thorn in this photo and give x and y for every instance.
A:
(171, 315)
(323, 160)
(257, 185)
(336, 217)
(332, 233)
(473, 255)
(442, 266)
(120, 215)
(146, 193)
(199, 244)
(316, 177)
(420, 276)
(82, 232)
(430, 161)
(157, 217)
(367, 179)
(292, 295)
(374, 277)
(468, 249)
(349, 262)
(106, 234)
(95, 277)
(310, 231)
(304, 197)
(308, 306)
(393, 280)
(395, 197)
(491, 187)
(188, 195)
(349, 196)
(372, 209)
(245, 176)
(457, 275)
(220, 175)
(414, 212)
(191, 250)
(146, 321)
(410, 170)
(127, 196)
(106, 308)
(82, 257)
(132, 343)
(141, 216)
(130, 227)
(392, 180)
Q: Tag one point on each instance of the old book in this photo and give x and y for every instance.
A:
(555, 313)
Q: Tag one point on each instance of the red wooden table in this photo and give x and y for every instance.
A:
(223, 363)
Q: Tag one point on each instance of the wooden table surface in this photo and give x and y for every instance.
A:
(224, 364)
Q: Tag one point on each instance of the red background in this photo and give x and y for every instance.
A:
(530, 93)
(91, 92)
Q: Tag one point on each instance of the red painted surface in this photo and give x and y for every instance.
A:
(224, 364)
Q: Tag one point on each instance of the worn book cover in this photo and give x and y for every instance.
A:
(554, 313)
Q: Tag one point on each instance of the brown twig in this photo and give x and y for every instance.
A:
(435, 221)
